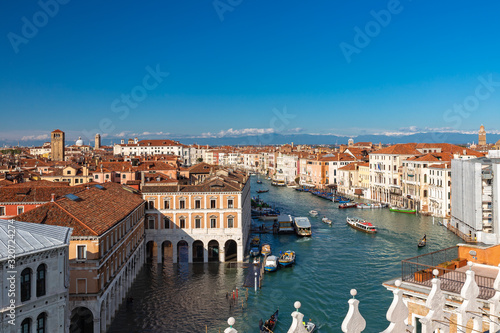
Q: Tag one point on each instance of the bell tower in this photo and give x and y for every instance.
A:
(57, 145)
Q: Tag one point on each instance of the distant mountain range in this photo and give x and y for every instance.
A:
(279, 139)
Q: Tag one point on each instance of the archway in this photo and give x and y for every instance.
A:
(167, 250)
(182, 251)
(231, 251)
(198, 250)
(213, 251)
(151, 250)
(82, 320)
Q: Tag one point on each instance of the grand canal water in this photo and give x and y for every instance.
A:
(192, 297)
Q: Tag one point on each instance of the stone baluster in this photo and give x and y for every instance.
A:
(495, 305)
(469, 293)
(297, 321)
(353, 322)
(435, 318)
(230, 329)
(398, 313)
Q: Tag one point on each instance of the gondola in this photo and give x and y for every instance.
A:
(423, 241)
(270, 324)
(262, 191)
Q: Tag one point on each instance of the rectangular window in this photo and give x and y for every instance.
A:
(2, 211)
(213, 203)
(230, 222)
(197, 223)
(197, 204)
(20, 210)
(96, 176)
(166, 223)
(81, 252)
(213, 223)
(151, 224)
(182, 204)
(230, 203)
(166, 204)
(81, 286)
(182, 222)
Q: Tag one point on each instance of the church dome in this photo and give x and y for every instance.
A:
(79, 142)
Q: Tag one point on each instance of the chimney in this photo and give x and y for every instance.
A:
(52, 197)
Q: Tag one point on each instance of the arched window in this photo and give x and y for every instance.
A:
(25, 284)
(41, 271)
(41, 323)
(26, 326)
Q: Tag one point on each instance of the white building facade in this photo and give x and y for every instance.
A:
(35, 288)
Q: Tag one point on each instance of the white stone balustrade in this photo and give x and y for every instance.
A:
(435, 302)
(230, 329)
(297, 322)
(354, 321)
(398, 313)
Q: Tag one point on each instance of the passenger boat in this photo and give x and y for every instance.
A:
(361, 225)
(370, 206)
(287, 258)
(254, 251)
(262, 191)
(423, 241)
(313, 212)
(302, 226)
(266, 249)
(270, 324)
(326, 220)
(291, 185)
(271, 264)
(255, 241)
(259, 182)
(403, 210)
(348, 205)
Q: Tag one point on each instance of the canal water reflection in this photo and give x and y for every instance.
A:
(192, 297)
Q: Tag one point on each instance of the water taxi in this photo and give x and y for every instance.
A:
(313, 212)
(287, 258)
(271, 264)
(348, 205)
(302, 226)
(361, 225)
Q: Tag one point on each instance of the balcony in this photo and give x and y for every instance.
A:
(418, 270)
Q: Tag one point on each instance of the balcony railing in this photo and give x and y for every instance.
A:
(418, 270)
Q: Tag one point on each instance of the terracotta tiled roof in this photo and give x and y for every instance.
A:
(399, 149)
(96, 210)
(201, 168)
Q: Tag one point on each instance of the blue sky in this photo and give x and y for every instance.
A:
(237, 66)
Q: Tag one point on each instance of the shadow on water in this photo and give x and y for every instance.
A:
(186, 297)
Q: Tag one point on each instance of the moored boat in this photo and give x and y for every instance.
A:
(259, 182)
(270, 324)
(302, 226)
(266, 249)
(285, 224)
(348, 205)
(287, 258)
(423, 241)
(361, 225)
(271, 264)
(255, 241)
(254, 251)
(313, 212)
(403, 210)
(326, 220)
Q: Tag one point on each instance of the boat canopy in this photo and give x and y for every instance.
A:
(302, 222)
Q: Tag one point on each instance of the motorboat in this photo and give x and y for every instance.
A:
(348, 205)
(254, 251)
(361, 225)
(287, 258)
(271, 264)
(310, 326)
(313, 212)
(403, 210)
(259, 182)
(326, 220)
(265, 250)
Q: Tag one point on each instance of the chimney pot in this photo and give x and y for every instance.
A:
(52, 197)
